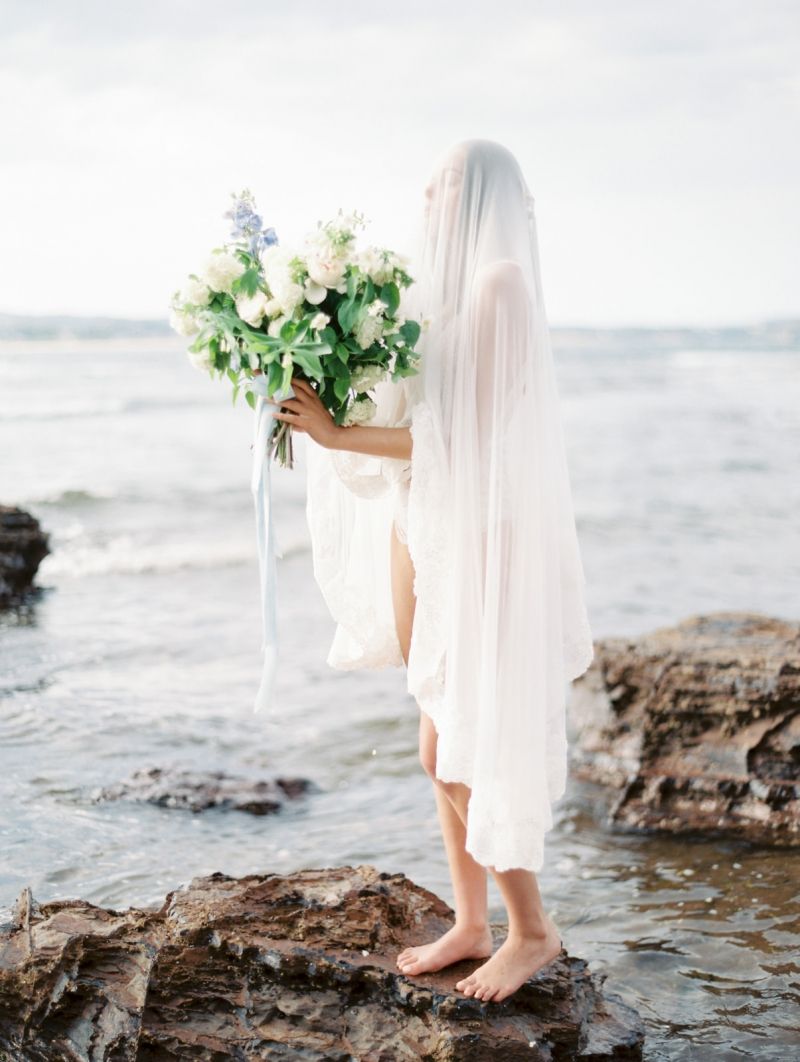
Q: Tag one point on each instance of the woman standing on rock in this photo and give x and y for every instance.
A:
(444, 539)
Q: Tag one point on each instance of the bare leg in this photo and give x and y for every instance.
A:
(470, 937)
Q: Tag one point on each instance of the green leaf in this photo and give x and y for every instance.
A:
(247, 283)
(287, 331)
(341, 387)
(233, 376)
(391, 296)
(342, 353)
(309, 362)
(352, 283)
(410, 331)
(250, 398)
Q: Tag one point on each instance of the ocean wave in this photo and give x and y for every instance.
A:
(67, 409)
(125, 556)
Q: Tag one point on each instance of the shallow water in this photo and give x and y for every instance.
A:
(143, 651)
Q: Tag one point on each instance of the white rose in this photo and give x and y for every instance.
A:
(200, 359)
(315, 293)
(366, 377)
(369, 331)
(196, 292)
(251, 308)
(319, 321)
(272, 307)
(362, 410)
(184, 323)
(221, 271)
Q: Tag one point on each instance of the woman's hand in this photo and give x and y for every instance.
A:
(306, 412)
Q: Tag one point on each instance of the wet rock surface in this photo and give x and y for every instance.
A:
(199, 791)
(297, 966)
(23, 545)
(698, 725)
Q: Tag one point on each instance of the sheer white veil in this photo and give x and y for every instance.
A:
(500, 624)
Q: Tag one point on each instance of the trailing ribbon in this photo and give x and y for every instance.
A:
(261, 488)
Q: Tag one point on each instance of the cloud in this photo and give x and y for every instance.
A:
(659, 154)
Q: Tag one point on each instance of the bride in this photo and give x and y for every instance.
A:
(444, 539)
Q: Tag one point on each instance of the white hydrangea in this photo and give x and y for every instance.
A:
(319, 321)
(251, 308)
(379, 265)
(362, 410)
(221, 270)
(196, 292)
(366, 377)
(369, 330)
(287, 294)
(184, 322)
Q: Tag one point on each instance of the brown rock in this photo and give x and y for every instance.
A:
(698, 725)
(198, 791)
(23, 545)
(291, 967)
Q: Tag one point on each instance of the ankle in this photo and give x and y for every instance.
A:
(471, 925)
(533, 932)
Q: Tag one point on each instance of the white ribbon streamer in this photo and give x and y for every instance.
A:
(261, 488)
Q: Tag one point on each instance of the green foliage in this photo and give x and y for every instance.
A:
(247, 283)
(391, 296)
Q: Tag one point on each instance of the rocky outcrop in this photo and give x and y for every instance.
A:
(698, 725)
(199, 791)
(23, 545)
(291, 967)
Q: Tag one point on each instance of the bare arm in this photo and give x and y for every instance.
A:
(307, 413)
(383, 442)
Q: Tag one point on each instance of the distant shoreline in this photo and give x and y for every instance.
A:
(782, 334)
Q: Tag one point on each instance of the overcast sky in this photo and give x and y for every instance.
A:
(660, 142)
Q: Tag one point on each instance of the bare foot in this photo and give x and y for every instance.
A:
(457, 943)
(517, 959)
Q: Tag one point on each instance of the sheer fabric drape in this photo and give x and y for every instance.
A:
(500, 625)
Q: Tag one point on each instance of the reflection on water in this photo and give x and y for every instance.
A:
(143, 651)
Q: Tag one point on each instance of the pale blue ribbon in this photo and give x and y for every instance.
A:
(261, 487)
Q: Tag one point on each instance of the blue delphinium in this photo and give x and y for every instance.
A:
(247, 224)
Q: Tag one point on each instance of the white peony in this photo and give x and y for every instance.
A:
(196, 292)
(369, 331)
(184, 322)
(201, 359)
(366, 377)
(325, 265)
(319, 321)
(251, 308)
(221, 270)
(315, 293)
(362, 410)
(272, 307)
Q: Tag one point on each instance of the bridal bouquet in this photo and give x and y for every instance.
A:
(327, 312)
